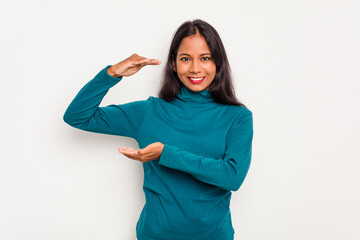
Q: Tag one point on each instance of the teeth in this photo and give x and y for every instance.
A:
(196, 79)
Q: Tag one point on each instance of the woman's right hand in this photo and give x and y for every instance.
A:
(131, 65)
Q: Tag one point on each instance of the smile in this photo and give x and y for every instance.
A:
(196, 80)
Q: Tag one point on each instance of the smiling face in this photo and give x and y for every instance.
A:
(194, 64)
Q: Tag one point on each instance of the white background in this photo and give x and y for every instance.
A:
(295, 65)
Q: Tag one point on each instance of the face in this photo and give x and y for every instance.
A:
(194, 64)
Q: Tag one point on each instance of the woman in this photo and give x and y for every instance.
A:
(195, 138)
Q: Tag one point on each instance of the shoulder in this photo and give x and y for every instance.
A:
(242, 118)
(240, 112)
(157, 100)
(135, 106)
(151, 100)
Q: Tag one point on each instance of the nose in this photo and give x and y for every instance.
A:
(195, 67)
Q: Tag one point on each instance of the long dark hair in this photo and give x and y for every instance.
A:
(221, 88)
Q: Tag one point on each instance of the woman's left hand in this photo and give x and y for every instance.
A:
(150, 152)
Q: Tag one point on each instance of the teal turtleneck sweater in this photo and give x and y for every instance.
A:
(206, 155)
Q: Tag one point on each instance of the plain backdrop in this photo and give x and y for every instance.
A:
(295, 65)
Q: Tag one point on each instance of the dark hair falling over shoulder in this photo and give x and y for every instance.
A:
(221, 88)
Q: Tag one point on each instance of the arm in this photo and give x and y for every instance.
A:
(227, 173)
(84, 111)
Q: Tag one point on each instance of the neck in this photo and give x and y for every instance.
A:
(188, 95)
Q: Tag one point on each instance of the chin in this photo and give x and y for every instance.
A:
(196, 88)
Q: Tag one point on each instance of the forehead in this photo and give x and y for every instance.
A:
(194, 44)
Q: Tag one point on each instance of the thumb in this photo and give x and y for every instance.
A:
(143, 150)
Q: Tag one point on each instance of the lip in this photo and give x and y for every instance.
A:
(196, 82)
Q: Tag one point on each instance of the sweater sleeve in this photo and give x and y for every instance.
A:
(227, 173)
(84, 112)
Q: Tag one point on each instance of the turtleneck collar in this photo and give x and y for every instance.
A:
(187, 95)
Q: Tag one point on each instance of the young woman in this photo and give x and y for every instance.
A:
(195, 139)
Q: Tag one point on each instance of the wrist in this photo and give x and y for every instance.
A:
(111, 72)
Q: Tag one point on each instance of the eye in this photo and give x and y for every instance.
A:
(184, 59)
(206, 58)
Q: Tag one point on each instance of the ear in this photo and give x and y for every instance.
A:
(174, 65)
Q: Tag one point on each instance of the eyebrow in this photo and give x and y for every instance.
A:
(189, 54)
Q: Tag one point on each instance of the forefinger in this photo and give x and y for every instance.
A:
(148, 61)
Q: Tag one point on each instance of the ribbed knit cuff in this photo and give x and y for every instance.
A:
(163, 158)
(167, 156)
(104, 74)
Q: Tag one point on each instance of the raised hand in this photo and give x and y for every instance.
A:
(150, 152)
(131, 65)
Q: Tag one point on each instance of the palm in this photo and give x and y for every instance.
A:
(133, 64)
(150, 152)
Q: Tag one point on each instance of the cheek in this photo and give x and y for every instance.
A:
(211, 69)
(214, 68)
(181, 69)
